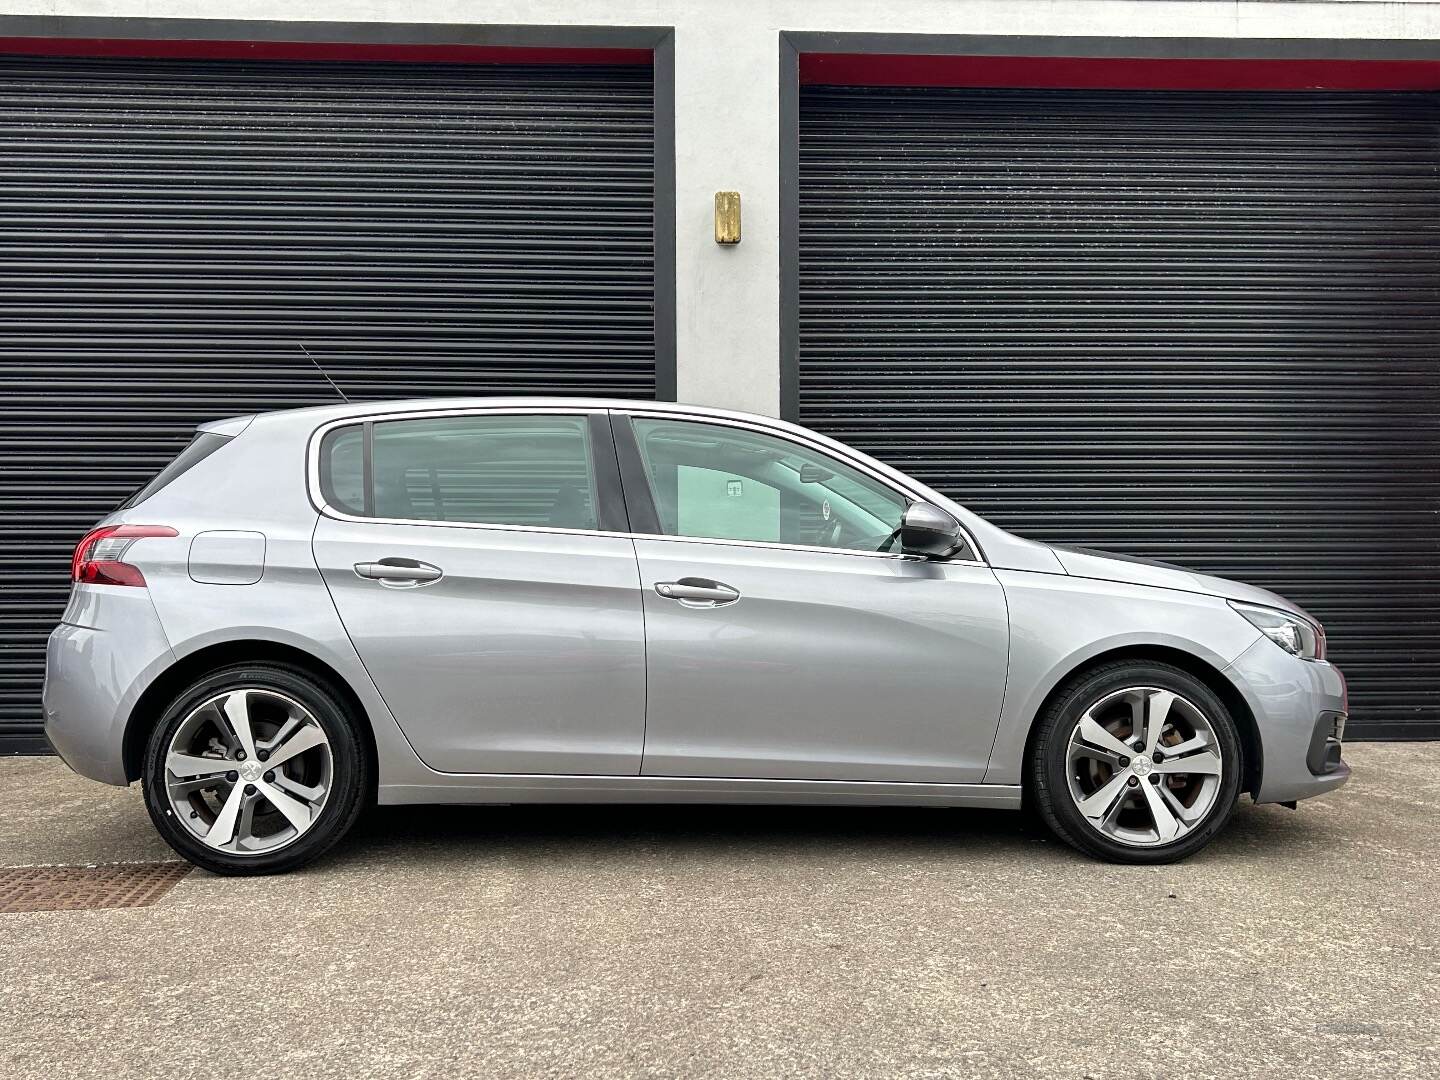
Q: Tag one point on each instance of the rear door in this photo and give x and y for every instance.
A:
(479, 563)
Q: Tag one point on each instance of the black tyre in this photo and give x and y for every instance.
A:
(255, 769)
(1135, 763)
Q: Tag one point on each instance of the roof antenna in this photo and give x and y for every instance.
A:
(325, 374)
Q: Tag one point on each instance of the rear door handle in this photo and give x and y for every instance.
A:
(399, 573)
(698, 592)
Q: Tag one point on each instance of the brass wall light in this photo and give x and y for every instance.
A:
(727, 217)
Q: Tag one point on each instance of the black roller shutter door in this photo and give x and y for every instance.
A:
(172, 231)
(1193, 327)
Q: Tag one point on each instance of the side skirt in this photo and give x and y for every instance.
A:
(506, 788)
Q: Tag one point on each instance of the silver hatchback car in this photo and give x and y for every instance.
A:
(578, 601)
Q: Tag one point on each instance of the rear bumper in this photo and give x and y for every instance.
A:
(1289, 698)
(97, 663)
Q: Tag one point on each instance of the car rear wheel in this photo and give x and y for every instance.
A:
(1137, 763)
(255, 769)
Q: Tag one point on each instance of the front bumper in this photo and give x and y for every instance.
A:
(1294, 702)
(97, 663)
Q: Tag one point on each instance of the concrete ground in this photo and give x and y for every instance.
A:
(538, 942)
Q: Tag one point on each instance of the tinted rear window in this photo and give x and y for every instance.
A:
(202, 446)
(495, 469)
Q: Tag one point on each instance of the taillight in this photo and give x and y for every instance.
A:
(99, 558)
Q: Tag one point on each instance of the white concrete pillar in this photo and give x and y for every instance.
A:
(726, 298)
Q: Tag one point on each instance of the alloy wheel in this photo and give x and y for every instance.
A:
(1144, 766)
(248, 771)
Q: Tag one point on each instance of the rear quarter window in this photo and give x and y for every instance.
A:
(342, 469)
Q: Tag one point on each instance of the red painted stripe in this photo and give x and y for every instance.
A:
(321, 50)
(1134, 73)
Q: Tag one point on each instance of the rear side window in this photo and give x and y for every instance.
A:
(202, 446)
(490, 470)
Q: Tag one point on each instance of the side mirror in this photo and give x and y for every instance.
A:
(927, 530)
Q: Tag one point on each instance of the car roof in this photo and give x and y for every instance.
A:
(324, 414)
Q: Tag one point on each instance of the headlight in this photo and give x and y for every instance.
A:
(1292, 633)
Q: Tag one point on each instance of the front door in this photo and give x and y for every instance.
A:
(785, 639)
(502, 627)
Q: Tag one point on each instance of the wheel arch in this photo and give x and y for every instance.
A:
(1207, 673)
(151, 703)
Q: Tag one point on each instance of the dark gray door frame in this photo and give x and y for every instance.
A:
(794, 44)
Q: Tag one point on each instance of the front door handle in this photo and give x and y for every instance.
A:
(399, 573)
(698, 592)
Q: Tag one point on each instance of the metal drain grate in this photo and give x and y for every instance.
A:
(86, 888)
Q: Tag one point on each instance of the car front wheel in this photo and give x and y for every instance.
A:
(255, 769)
(1137, 763)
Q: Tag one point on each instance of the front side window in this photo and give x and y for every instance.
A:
(492, 470)
(727, 483)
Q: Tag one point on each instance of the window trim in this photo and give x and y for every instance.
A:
(609, 513)
(636, 498)
(634, 474)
